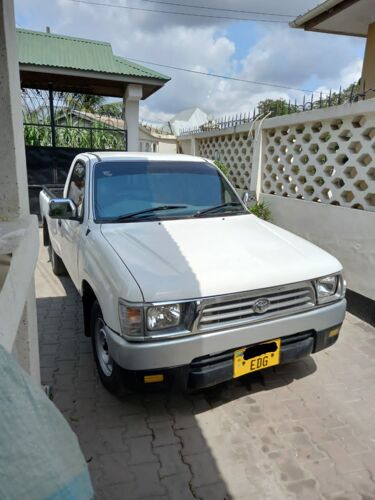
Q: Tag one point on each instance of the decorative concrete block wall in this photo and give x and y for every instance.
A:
(235, 149)
(329, 160)
(316, 171)
(233, 146)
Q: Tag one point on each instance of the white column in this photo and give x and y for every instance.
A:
(26, 345)
(133, 95)
(14, 200)
(193, 146)
(256, 170)
(368, 68)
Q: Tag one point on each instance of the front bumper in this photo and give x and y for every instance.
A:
(180, 352)
(212, 370)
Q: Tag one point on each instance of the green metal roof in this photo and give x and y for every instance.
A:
(60, 51)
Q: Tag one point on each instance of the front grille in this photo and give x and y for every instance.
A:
(237, 310)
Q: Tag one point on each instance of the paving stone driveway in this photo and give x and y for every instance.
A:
(305, 430)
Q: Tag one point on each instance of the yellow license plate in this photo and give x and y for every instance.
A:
(256, 357)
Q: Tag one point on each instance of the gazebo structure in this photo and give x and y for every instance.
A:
(61, 73)
(66, 64)
(346, 17)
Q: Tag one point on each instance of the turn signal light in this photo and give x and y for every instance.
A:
(334, 332)
(151, 379)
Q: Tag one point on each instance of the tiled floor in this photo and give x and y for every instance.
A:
(305, 430)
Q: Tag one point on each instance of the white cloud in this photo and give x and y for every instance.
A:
(293, 57)
(279, 54)
(153, 116)
(348, 75)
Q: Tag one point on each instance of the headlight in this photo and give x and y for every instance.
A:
(326, 286)
(131, 320)
(164, 316)
(330, 288)
(144, 321)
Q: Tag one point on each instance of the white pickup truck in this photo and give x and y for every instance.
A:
(178, 280)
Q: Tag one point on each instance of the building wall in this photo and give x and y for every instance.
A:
(167, 146)
(368, 69)
(157, 144)
(18, 230)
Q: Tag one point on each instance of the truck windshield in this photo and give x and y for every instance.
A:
(133, 190)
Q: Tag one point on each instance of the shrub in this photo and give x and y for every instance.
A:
(221, 166)
(261, 210)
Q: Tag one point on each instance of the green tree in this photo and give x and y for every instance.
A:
(113, 109)
(84, 102)
(276, 107)
(279, 107)
(335, 98)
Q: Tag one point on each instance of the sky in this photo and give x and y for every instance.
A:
(267, 52)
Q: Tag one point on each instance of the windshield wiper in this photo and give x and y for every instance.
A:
(147, 211)
(218, 208)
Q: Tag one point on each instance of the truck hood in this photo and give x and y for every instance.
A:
(190, 258)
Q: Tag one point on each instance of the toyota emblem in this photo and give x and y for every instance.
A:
(261, 306)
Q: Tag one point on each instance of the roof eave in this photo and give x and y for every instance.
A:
(34, 76)
(320, 13)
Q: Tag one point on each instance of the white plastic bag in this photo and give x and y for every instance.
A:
(39, 454)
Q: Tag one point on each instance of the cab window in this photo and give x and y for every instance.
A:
(76, 191)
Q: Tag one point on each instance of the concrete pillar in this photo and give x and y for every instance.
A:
(368, 68)
(25, 348)
(14, 200)
(133, 95)
(256, 169)
(193, 146)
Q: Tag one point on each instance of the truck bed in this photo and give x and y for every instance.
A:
(45, 195)
(53, 191)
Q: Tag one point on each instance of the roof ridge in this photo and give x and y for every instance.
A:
(63, 37)
(62, 51)
(138, 66)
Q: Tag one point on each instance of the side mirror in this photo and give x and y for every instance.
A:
(246, 197)
(62, 208)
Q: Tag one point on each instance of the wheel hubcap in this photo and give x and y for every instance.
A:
(104, 358)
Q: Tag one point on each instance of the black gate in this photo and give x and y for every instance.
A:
(58, 126)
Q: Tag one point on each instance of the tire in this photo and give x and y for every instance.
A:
(110, 373)
(57, 264)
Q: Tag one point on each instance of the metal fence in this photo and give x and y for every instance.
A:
(66, 120)
(281, 107)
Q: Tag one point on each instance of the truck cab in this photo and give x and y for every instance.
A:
(178, 279)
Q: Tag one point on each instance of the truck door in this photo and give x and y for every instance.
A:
(71, 230)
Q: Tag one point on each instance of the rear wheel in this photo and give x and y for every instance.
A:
(58, 266)
(110, 373)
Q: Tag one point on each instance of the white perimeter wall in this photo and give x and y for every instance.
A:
(346, 233)
(316, 171)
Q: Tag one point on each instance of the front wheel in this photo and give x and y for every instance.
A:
(110, 373)
(58, 266)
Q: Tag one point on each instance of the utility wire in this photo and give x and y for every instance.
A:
(215, 75)
(221, 8)
(178, 13)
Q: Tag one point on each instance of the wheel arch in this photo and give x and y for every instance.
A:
(88, 298)
(46, 238)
